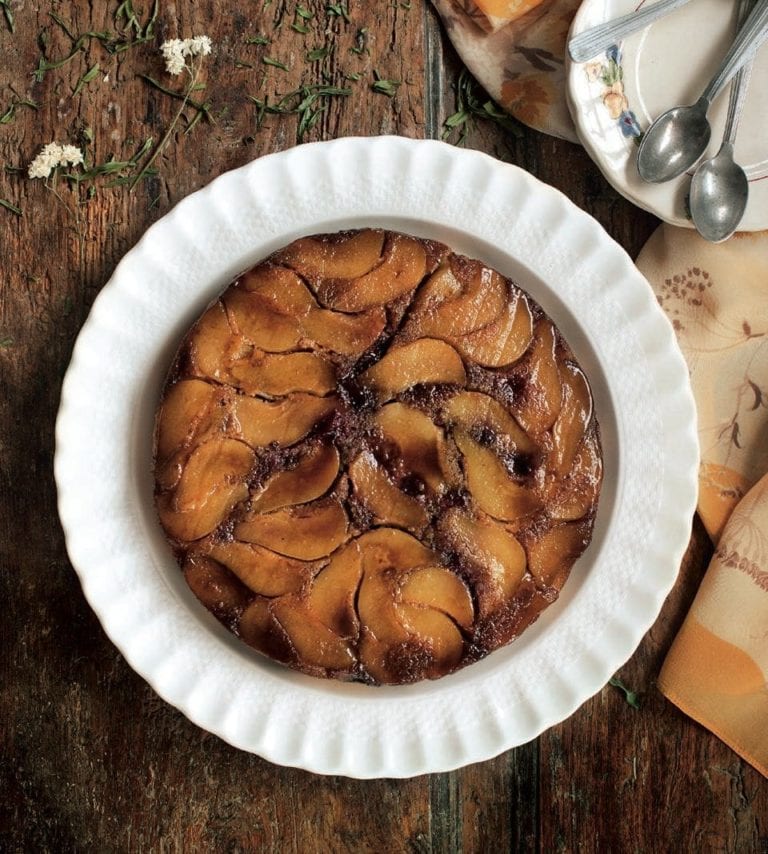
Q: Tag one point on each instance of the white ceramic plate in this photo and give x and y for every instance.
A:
(614, 98)
(483, 208)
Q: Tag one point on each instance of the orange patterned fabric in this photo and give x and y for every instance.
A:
(516, 50)
(717, 300)
(495, 14)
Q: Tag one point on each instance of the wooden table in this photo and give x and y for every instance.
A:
(91, 759)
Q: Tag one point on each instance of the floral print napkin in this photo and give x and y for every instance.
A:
(516, 49)
(717, 299)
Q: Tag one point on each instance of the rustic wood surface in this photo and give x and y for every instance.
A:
(90, 758)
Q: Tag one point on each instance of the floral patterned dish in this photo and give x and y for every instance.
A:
(614, 98)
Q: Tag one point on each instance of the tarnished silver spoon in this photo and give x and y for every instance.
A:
(678, 138)
(719, 189)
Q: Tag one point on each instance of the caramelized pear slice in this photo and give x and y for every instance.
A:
(391, 549)
(491, 550)
(375, 657)
(315, 644)
(307, 532)
(280, 288)
(426, 360)
(403, 267)
(190, 407)
(574, 417)
(578, 492)
(261, 570)
(387, 503)
(262, 422)
(376, 607)
(538, 407)
(212, 344)
(420, 444)
(438, 631)
(472, 410)
(261, 322)
(285, 293)
(551, 556)
(386, 554)
(438, 587)
(348, 257)
(278, 374)
(347, 334)
(259, 629)
(491, 484)
(311, 478)
(211, 485)
(332, 597)
(215, 587)
(503, 341)
(459, 297)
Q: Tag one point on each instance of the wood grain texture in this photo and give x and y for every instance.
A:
(90, 758)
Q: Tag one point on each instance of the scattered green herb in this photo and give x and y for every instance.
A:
(307, 102)
(305, 13)
(86, 79)
(10, 113)
(5, 341)
(338, 10)
(385, 87)
(193, 68)
(300, 28)
(4, 203)
(267, 60)
(472, 103)
(317, 54)
(131, 32)
(630, 696)
(239, 63)
(260, 40)
(204, 108)
(8, 15)
(361, 42)
(353, 76)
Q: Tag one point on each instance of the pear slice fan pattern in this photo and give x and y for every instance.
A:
(375, 459)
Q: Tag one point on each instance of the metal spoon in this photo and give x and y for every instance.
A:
(720, 189)
(596, 40)
(678, 138)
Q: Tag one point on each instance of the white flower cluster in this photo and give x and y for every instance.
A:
(54, 155)
(176, 51)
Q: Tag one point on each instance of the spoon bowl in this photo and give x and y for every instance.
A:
(719, 192)
(674, 142)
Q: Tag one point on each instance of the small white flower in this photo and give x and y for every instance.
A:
(175, 52)
(199, 46)
(53, 155)
(71, 154)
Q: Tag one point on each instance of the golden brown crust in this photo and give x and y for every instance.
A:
(376, 459)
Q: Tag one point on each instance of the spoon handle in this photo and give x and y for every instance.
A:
(595, 40)
(739, 85)
(749, 38)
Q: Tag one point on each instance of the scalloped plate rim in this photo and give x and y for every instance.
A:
(626, 635)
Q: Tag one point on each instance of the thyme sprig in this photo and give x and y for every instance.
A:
(385, 87)
(130, 33)
(203, 108)
(4, 203)
(308, 102)
(8, 15)
(472, 103)
(10, 113)
(630, 696)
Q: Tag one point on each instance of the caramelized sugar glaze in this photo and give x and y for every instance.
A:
(376, 459)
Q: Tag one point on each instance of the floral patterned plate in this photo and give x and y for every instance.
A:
(615, 97)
